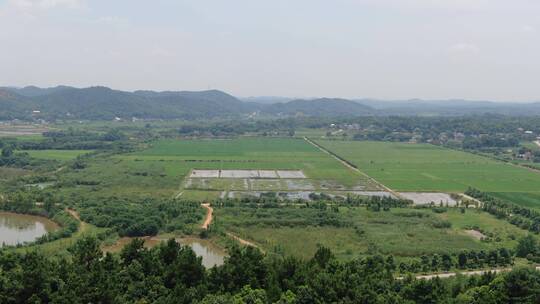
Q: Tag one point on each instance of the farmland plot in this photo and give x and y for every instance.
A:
(423, 167)
(252, 164)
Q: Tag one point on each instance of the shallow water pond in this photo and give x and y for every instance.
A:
(19, 228)
(211, 254)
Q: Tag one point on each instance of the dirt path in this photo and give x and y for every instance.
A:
(208, 221)
(244, 242)
(537, 142)
(179, 194)
(465, 273)
(83, 226)
(346, 164)
(209, 216)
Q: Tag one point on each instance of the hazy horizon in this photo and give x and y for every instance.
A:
(380, 49)
(288, 98)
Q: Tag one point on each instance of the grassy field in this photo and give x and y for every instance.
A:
(529, 200)
(7, 173)
(181, 156)
(61, 155)
(32, 137)
(402, 232)
(422, 167)
(106, 176)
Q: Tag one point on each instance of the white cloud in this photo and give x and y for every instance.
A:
(29, 4)
(30, 10)
(527, 29)
(112, 21)
(465, 48)
(158, 51)
(461, 5)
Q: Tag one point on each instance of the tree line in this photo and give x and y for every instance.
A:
(525, 218)
(171, 273)
(467, 259)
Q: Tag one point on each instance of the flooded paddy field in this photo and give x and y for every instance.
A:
(304, 195)
(264, 174)
(427, 198)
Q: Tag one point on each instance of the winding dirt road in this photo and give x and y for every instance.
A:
(244, 242)
(208, 221)
(83, 226)
(209, 215)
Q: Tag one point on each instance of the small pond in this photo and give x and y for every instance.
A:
(211, 254)
(19, 228)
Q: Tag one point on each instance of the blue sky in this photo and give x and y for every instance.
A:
(391, 49)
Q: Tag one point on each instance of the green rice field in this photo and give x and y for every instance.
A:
(61, 155)
(423, 167)
(525, 199)
(180, 156)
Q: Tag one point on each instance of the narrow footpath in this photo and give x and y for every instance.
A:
(208, 221)
(83, 226)
(244, 242)
(209, 216)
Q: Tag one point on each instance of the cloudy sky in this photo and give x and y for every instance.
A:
(391, 49)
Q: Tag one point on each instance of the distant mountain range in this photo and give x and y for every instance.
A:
(102, 103)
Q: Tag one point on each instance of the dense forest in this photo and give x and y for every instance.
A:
(171, 273)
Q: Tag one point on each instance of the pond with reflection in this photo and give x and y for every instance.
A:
(19, 228)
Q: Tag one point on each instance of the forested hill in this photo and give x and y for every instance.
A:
(102, 103)
(105, 103)
(97, 103)
(320, 107)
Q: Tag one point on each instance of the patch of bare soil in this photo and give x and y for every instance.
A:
(475, 234)
(209, 216)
